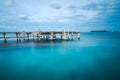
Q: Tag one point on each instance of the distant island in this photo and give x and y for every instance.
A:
(115, 31)
(99, 31)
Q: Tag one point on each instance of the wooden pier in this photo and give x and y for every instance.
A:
(40, 35)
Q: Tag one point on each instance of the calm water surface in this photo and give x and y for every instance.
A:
(96, 56)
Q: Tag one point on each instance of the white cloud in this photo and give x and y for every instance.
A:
(9, 2)
(56, 6)
(23, 17)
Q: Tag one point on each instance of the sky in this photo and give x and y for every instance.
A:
(49, 15)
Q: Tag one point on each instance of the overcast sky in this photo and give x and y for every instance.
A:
(79, 15)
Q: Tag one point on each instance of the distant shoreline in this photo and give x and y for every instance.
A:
(102, 31)
(99, 31)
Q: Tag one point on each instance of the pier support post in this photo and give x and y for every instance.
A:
(43, 36)
(33, 36)
(47, 36)
(4, 36)
(62, 36)
(54, 36)
(72, 35)
(39, 36)
(68, 36)
(51, 36)
(17, 36)
(28, 36)
(78, 35)
(24, 36)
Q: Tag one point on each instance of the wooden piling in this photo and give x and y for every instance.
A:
(4, 36)
(78, 35)
(17, 36)
(51, 36)
(33, 36)
(28, 36)
(39, 36)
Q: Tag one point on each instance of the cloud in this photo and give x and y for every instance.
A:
(83, 15)
(74, 7)
(94, 11)
(79, 17)
(23, 17)
(90, 6)
(56, 6)
(9, 3)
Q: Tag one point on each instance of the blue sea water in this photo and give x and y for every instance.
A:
(96, 56)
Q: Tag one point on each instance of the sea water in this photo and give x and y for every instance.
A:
(96, 56)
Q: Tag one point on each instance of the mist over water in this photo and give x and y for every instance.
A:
(96, 56)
